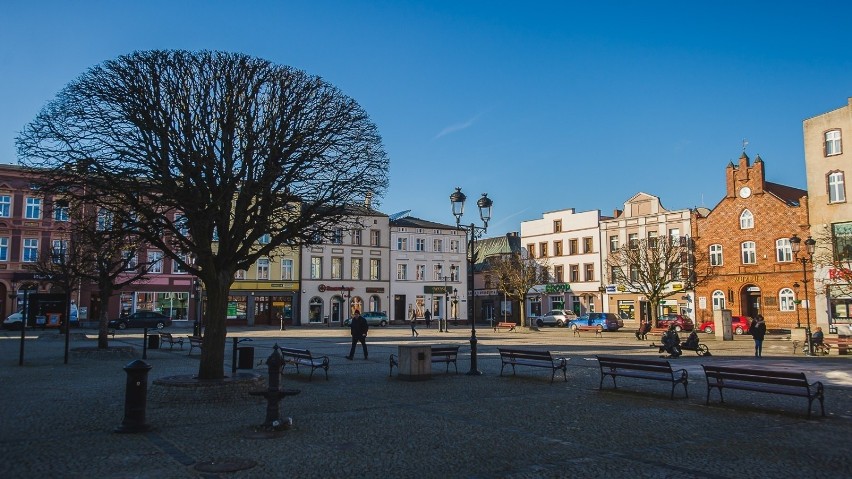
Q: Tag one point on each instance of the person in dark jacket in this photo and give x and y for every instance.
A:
(644, 329)
(428, 317)
(758, 331)
(358, 328)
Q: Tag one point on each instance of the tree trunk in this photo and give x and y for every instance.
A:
(103, 318)
(212, 364)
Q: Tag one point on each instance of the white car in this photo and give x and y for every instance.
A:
(14, 321)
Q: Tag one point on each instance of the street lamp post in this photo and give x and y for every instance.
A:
(442, 321)
(796, 246)
(602, 291)
(348, 294)
(798, 302)
(472, 232)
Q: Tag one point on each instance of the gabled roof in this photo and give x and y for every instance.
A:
(510, 243)
(787, 194)
(412, 222)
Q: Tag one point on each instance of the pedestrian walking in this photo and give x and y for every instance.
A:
(757, 329)
(414, 332)
(428, 317)
(358, 328)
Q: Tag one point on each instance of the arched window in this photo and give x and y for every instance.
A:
(716, 255)
(375, 303)
(718, 300)
(746, 220)
(315, 310)
(785, 300)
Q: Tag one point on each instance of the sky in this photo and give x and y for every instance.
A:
(544, 105)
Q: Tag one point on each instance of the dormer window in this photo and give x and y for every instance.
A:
(746, 220)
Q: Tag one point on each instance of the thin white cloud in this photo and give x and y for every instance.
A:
(457, 127)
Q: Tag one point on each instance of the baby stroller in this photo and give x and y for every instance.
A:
(692, 344)
(671, 344)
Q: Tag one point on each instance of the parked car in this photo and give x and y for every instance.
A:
(607, 321)
(142, 319)
(680, 322)
(557, 317)
(14, 321)
(374, 318)
(739, 325)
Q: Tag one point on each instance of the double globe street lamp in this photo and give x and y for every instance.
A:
(472, 232)
(796, 246)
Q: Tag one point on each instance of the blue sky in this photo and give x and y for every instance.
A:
(544, 105)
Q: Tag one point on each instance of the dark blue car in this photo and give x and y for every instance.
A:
(607, 321)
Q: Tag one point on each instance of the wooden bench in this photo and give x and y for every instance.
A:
(536, 359)
(842, 344)
(194, 342)
(578, 329)
(761, 380)
(111, 332)
(657, 331)
(654, 369)
(304, 357)
(440, 354)
(509, 326)
(168, 338)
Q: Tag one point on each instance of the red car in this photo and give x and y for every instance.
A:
(739, 325)
(681, 323)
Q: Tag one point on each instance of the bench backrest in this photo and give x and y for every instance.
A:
(444, 350)
(782, 378)
(166, 335)
(652, 365)
(296, 353)
(526, 354)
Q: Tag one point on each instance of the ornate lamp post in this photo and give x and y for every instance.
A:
(797, 301)
(346, 294)
(472, 232)
(796, 246)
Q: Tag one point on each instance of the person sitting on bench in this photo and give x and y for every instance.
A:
(643, 330)
(671, 343)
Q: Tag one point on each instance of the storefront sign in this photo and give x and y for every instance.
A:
(437, 290)
(746, 278)
(557, 288)
(375, 290)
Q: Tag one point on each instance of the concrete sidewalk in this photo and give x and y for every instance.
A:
(58, 419)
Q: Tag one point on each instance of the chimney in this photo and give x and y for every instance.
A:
(368, 199)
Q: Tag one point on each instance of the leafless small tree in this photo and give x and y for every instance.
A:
(658, 268)
(833, 252)
(516, 274)
(201, 155)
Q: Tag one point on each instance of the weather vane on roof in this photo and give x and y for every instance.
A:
(745, 143)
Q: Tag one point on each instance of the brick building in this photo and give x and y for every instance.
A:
(747, 236)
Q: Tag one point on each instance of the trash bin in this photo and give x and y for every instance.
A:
(245, 357)
(843, 344)
(153, 341)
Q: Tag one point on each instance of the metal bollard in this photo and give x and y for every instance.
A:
(135, 398)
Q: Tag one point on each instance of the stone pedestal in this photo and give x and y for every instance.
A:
(415, 362)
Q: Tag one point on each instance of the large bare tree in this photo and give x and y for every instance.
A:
(516, 273)
(658, 268)
(201, 154)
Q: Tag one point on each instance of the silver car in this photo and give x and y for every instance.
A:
(374, 318)
(557, 317)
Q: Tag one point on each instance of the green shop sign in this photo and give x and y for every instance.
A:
(557, 288)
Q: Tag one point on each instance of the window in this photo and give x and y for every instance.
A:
(633, 240)
(420, 244)
(589, 271)
(155, 261)
(356, 268)
(613, 244)
(5, 206)
(587, 245)
(402, 271)
(375, 238)
(716, 255)
(454, 272)
(356, 237)
(375, 269)
(60, 210)
(263, 268)
(437, 272)
(531, 250)
(832, 143)
(634, 273)
(131, 260)
(559, 273)
(176, 267)
(557, 226)
(287, 269)
(264, 238)
(454, 246)
(316, 267)
(337, 236)
(240, 274)
(557, 248)
(542, 250)
(836, 187)
(402, 244)
(4, 248)
(746, 220)
(437, 245)
(785, 300)
(841, 238)
(652, 239)
(104, 220)
(420, 272)
(572, 246)
(783, 251)
(718, 300)
(749, 251)
(59, 251)
(33, 211)
(336, 268)
(674, 235)
(574, 271)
